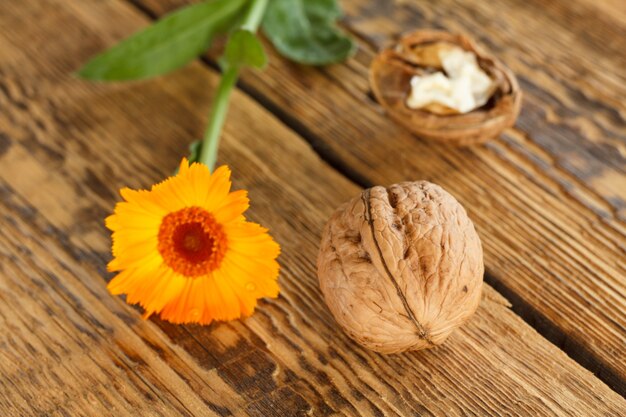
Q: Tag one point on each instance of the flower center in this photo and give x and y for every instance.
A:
(191, 242)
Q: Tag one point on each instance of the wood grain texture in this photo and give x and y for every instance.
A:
(68, 348)
(548, 198)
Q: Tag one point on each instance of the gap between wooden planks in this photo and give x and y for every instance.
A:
(548, 199)
(69, 145)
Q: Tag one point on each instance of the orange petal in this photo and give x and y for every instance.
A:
(232, 207)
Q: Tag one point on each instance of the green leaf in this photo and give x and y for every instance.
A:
(168, 44)
(194, 151)
(244, 49)
(305, 31)
(195, 148)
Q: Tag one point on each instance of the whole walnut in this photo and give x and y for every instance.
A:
(401, 267)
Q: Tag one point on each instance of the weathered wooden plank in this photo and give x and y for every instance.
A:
(548, 198)
(66, 352)
(569, 64)
(68, 145)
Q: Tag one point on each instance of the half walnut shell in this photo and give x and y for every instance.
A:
(390, 79)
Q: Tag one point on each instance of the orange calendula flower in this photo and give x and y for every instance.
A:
(184, 249)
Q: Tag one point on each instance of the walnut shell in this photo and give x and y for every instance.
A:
(391, 72)
(401, 267)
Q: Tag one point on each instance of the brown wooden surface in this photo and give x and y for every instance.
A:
(549, 211)
(549, 198)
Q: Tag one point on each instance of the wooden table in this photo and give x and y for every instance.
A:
(548, 199)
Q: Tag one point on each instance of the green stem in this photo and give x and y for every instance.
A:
(255, 15)
(211, 140)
